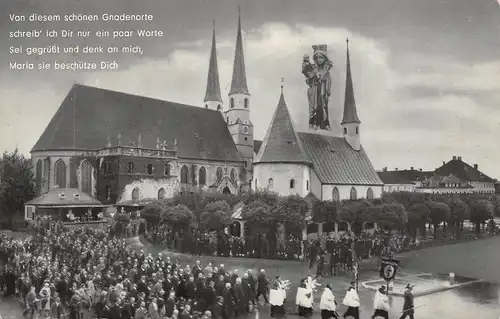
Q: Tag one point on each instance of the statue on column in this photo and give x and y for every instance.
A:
(319, 81)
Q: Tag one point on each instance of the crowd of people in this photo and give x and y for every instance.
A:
(78, 273)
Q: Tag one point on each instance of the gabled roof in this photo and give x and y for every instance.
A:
(89, 116)
(213, 85)
(438, 181)
(64, 197)
(256, 146)
(350, 112)
(392, 177)
(463, 171)
(239, 80)
(336, 162)
(281, 143)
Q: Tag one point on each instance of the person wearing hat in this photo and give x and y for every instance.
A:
(351, 300)
(408, 306)
(381, 304)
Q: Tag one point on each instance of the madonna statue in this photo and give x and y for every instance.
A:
(319, 81)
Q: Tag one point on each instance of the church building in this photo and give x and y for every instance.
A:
(117, 147)
(120, 147)
(319, 162)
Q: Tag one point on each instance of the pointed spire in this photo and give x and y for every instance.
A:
(239, 81)
(350, 112)
(281, 143)
(213, 85)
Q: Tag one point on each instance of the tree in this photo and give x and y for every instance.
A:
(17, 184)
(152, 214)
(324, 211)
(354, 213)
(459, 212)
(257, 213)
(439, 212)
(389, 216)
(291, 211)
(480, 210)
(216, 215)
(418, 214)
(177, 215)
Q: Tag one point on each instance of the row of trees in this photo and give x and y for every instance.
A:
(265, 211)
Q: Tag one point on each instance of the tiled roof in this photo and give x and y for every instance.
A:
(392, 177)
(336, 162)
(437, 181)
(88, 116)
(281, 143)
(213, 85)
(239, 80)
(404, 176)
(64, 197)
(463, 171)
(256, 146)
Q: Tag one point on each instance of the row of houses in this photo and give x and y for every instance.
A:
(452, 177)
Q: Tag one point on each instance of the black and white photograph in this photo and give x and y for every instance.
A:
(229, 159)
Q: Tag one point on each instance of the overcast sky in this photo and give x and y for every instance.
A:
(426, 72)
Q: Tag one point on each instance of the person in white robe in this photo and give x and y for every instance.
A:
(381, 304)
(328, 305)
(351, 300)
(304, 299)
(277, 298)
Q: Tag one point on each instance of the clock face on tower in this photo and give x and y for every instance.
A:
(245, 129)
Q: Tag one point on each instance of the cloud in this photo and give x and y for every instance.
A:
(401, 126)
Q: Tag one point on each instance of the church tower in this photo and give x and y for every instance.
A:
(213, 98)
(238, 112)
(350, 121)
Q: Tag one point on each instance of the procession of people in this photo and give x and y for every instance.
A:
(84, 273)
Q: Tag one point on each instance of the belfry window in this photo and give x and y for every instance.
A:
(345, 130)
(246, 103)
(232, 103)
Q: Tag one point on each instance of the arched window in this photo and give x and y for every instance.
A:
(354, 194)
(219, 174)
(150, 169)
(233, 175)
(219, 107)
(130, 167)
(202, 176)
(357, 129)
(60, 173)
(167, 170)
(255, 184)
(246, 103)
(292, 183)
(345, 130)
(206, 106)
(38, 178)
(86, 177)
(307, 185)
(108, 192)
(232, 103)
(161, 193)
(46, 175)
(270, 185)
(136, 193)
(335, 194)
(184, 175)
(369, 193)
